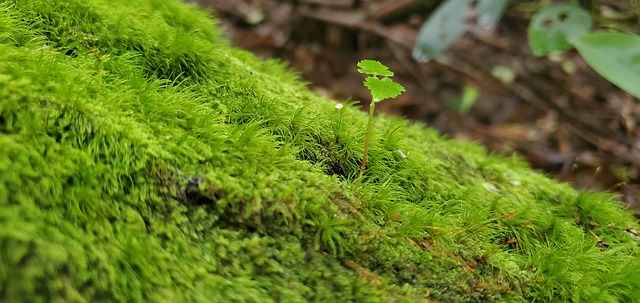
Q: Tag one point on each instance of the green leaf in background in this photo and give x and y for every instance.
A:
(490, 11)
(384, 88)
(467, 100)
(554, 27)
(442, 29)
(373, 67)
(448, 23)
(615, 56)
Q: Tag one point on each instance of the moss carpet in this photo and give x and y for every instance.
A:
(144, 159)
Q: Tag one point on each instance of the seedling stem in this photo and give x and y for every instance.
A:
(381, 87)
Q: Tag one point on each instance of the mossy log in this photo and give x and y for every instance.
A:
(144, 159)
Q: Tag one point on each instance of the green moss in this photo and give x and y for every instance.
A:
(143, 159)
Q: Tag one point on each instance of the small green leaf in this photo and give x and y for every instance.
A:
(384, 88)
(553, 27)
(615, 56)
(373, 67)
(467, 100)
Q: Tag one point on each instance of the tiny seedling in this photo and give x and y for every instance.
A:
(381, 88)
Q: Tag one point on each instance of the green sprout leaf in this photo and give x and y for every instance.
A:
(381, 87)
(384, 88)
(373, 67)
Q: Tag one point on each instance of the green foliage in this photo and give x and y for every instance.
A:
(449, 22)
(553, 27)
(469, 97)
(379, 83)
(374, 68)
(330, 234)
(143, 159)
(490, 11)
(381, 88)
(613, 55)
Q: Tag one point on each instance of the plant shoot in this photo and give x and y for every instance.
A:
(381, 87)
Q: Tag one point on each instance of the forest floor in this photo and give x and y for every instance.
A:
(556, 113)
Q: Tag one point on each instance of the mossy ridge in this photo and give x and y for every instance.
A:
(113, 109)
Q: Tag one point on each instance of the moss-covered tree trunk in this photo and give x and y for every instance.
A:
(143, 159)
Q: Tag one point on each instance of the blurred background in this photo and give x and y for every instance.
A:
(556, 113)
